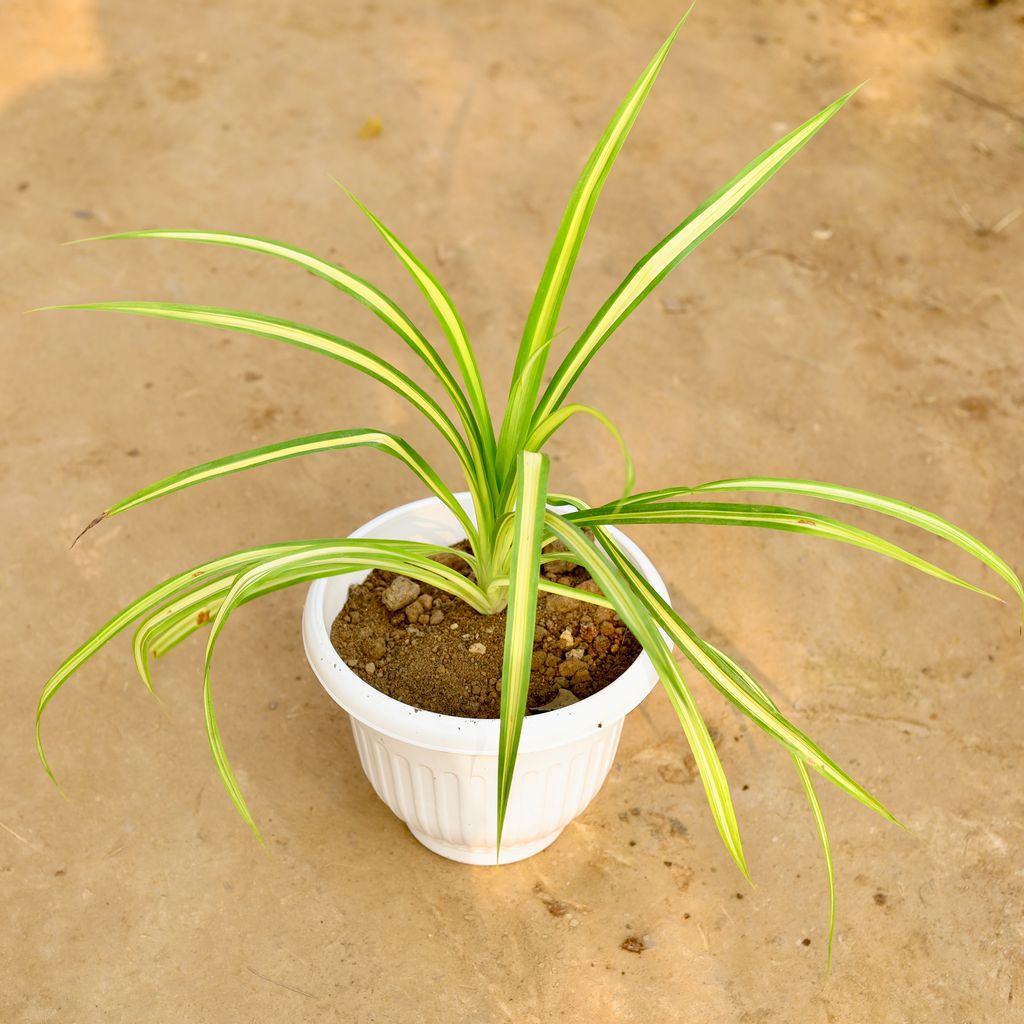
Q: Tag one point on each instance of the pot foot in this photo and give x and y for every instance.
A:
(484, 855)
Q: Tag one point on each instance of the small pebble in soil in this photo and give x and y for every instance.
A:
(633, 944)
(477, 649)
(400, 592)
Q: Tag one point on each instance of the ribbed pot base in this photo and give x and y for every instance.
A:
(474, 855)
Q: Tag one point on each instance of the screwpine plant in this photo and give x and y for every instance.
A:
(516, 519)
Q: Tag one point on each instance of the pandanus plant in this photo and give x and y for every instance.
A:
(516, 519)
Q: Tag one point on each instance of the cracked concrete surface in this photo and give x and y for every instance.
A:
(860, 321)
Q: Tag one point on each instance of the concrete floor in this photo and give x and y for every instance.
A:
(861, 321)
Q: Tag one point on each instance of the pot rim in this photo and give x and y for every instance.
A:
(448, 732)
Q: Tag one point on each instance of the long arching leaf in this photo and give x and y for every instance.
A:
(744, 680)
(752, 701)
(668, 253)
(450, 321)
(176, 621)
(191, 578)
(316, 341)
(331, 441)
(547, 302)
(179, 619)
(723, 667)
(892, 507)
(313, 563)
(826, 852)
(771, 517)
(383, 307)
(635, 615)
(738, 676)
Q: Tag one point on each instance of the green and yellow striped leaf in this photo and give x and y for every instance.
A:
(383, 307)
(315, 341)
(450, 321)
(891, 507)
(178, 619)
(720, 670)
(653, 601)
(547, 302)
(313, 562)
(174, 622)
(164, 629)
(165, 636)
(524, 570)
(668, 253)
(637, 618)
(771, 517)
(314, 444)
(200, 586)
(745, 681)
(574, 594)
(747, 697)
(826, 852)
(192, 578)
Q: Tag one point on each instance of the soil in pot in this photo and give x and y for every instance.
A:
(432, 651)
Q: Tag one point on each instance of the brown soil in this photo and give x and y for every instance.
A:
(436, 653)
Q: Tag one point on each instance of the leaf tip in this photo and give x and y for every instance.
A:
(46, 766)
(99, 519)
(344, 188)
(853, 92)
(736, 850)
(91, 238)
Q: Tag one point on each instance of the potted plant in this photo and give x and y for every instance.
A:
(486, 787)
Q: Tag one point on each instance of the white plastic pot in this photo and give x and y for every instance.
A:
(439, 773)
